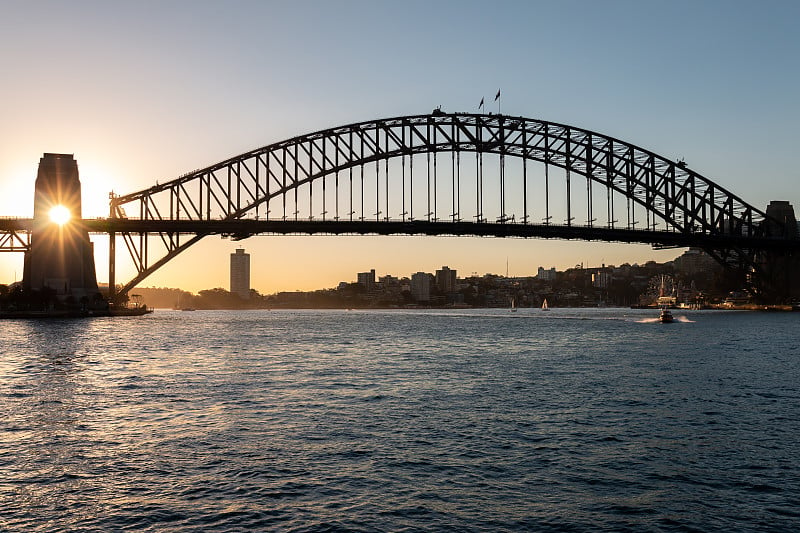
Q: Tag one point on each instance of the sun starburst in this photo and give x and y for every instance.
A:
(60, 214)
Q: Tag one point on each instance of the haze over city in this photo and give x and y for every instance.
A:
(143, 93)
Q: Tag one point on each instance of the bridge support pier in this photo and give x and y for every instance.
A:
(781, 270)
(60, 262)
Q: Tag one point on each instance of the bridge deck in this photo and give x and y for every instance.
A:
(241, 229)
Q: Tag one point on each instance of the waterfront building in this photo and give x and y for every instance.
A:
(389, 281)
(446, 280)
(546, 275)
(601, 280)
(367, 279)
(240, 273)
(694, 261)
(421, 287)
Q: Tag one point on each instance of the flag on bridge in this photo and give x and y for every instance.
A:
(480, 106)
(497, 96)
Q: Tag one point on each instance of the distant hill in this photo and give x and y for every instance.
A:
(165, 298)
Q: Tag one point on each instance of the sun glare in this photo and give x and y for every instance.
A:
(60, 215)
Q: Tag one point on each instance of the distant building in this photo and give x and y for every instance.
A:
(240, 273)
(546, 275)
(694, 261)
(367, 279)
(446, 280)
(421, 287)
(389, 281)
(601, 280)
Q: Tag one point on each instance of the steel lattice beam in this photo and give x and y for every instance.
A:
(15, 234)
(279, 182)
(15, 241)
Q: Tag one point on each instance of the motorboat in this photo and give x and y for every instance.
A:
(665, 317)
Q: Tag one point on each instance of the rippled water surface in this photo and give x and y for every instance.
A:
(401, 421)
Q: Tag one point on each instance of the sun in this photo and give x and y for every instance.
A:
(60, 215)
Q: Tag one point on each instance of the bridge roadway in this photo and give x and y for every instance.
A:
(243, 228)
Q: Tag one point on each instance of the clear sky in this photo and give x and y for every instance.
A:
(145, 91)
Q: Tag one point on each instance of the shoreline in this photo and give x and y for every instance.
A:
(65, 313)
(144, 310)
(753, 307)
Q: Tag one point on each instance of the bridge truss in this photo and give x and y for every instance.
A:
(441, 173)
(15, 235)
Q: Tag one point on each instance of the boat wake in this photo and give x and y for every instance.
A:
(657, 320)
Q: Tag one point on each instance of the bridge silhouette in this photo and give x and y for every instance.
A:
(439, 174)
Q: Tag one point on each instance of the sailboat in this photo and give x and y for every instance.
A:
(513, 305)
(545, 307)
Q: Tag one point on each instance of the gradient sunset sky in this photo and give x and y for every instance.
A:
(146, 91)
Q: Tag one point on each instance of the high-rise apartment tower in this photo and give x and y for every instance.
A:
(240, 273)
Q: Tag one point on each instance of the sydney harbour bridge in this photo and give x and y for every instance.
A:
(436, 174)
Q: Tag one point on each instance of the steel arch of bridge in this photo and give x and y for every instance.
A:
(230, 196)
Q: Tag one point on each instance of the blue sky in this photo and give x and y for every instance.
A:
(145, 91)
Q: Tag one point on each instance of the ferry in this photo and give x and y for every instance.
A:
(666, 316)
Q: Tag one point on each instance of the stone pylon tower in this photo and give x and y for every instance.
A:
(780, 271)
(61, 257)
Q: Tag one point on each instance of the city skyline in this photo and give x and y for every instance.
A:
(707, 83)
(448, 275)
(690, 280)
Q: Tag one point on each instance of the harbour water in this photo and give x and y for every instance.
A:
(478, 420)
